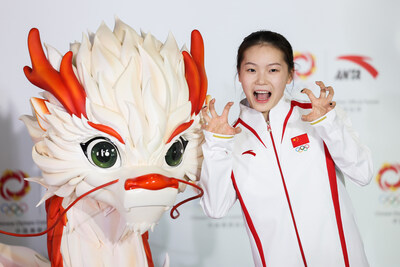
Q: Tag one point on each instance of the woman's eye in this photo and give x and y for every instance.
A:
(174, 155)
(251, 70)
(101, 152)
(273, 70)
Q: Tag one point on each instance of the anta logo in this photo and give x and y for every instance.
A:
(306, 63)
(249, 152)
(388, 177)
(300, 143)
(13, 186)
(355, 73)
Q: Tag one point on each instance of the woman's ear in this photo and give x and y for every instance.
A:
(290, 78)
(238, 74)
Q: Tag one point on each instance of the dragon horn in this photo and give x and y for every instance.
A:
(195, 72)
(63, 85)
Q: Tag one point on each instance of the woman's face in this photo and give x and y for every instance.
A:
(263, 74)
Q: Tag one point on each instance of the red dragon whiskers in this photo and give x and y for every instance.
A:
(63, 85)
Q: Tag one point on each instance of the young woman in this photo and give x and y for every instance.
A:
(284, 160)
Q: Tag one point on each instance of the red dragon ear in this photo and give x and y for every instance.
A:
(195, 73)
(63, 85)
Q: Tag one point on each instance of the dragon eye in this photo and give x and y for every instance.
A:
(101, 152)
(175, 152)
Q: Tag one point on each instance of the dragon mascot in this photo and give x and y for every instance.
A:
(117, 136)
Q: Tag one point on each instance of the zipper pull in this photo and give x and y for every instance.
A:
(268, 127)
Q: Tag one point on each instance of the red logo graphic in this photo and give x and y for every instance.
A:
(13, 186)
(306, 61)
(388, 177)
(250, 152)
(362, 62)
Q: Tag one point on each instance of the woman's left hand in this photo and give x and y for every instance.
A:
(321, 105)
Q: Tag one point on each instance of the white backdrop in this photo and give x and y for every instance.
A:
(318, 30)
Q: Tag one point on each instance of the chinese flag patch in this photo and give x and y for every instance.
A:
(300, 140)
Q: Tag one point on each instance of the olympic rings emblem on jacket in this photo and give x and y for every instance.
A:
(13, 208)
(302, 148)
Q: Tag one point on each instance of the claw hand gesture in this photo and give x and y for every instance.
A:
(321, 105)
(215, 123)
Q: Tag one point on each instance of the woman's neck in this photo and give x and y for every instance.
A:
(266, 115)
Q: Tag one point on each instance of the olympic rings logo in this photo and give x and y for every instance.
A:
(14, 209)
(390, 200)
(302, 148)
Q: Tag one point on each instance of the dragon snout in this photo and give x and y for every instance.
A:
(143, 208)
(153, 181)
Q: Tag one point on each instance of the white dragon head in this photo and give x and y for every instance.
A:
(121, 108)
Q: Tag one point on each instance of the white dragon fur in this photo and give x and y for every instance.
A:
(136, 85)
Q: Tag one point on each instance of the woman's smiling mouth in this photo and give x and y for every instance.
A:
(262, 95)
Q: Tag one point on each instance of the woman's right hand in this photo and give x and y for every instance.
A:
(214, 123)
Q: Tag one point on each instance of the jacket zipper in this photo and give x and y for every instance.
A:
(268, 127)
(287, 194)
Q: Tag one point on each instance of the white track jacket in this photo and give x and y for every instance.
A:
(287, 178)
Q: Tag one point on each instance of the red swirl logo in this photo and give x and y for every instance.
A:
(306, 62)
(388, 177)
(13, 186)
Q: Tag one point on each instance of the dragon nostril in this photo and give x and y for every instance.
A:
(152, 181)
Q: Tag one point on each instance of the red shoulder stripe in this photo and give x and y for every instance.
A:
(292, 105)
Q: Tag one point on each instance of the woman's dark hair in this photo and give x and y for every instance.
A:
(267, 38)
